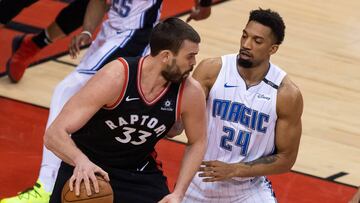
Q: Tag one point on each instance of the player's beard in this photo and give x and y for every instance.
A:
(173, 74)
(245, 63)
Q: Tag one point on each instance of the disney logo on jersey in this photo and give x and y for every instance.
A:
(167, 106)
(262, 96)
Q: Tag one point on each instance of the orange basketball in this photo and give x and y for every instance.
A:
(105, 194)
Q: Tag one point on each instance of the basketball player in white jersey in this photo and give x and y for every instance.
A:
(125, 33)
(254, 118)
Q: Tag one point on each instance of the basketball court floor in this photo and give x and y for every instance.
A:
(321, 54)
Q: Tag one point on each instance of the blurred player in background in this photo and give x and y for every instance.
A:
(25, 47)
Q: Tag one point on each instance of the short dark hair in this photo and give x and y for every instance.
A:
(170, 34)
(270, 19)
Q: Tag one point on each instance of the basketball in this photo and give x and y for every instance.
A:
(105, 194)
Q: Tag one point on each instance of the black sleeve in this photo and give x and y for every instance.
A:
(205, 3)
(72, 16)
(11, 8)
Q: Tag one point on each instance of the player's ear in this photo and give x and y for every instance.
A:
(165, 56)
(274, 48)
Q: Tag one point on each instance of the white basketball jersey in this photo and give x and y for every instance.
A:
(134, 14)
(241, 128)
(241, 121)
(128, 27)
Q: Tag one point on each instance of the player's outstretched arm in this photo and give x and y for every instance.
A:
(193, 115)
(75, 114)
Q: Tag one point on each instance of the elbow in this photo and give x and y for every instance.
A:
(288, 168)
(49, 139)
(283, 168)
(289, 165)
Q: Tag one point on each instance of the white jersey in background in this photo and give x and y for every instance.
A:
(125, 33)
(133, 14)
(241, 126)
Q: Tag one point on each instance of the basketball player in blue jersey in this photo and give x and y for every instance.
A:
(117, 118)
(254, 118)
(125, 33)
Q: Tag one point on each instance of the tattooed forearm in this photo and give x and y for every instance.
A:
(263, 160)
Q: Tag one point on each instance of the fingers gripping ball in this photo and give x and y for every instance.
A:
(105, 194)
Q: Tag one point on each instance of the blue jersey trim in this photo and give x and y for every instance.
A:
(103, 58)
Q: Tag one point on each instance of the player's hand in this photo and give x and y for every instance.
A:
(171, 198)
(85, 171)
(199, 13)
(216, 171)
(76, 43)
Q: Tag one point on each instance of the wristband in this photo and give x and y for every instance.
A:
(87, 33)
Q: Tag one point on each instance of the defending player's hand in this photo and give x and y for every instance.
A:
(85, 171)
(76, 43)
(216, 171)
(199, 13)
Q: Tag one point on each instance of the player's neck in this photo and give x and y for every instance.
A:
(254, 75)
(152, 82)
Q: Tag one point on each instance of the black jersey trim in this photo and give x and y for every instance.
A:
(141, 93)
(126, 82)
(271, 83)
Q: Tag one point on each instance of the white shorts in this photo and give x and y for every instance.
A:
(255, 190)
(64, 91)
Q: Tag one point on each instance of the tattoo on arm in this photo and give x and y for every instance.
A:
(263, 160)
